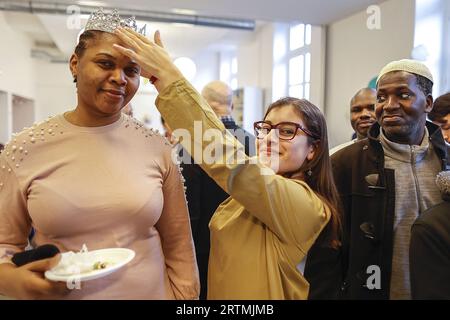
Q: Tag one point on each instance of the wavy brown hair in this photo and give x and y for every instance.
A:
(321, 180)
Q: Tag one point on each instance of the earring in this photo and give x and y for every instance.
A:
(75, 79)
(309, 172)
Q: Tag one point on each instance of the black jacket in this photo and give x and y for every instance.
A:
(429, 254)
(367, 192)
(204, 196)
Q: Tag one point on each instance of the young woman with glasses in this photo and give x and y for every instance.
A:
(264, 230)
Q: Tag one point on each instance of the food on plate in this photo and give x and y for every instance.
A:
(79, 262)
(100, 265)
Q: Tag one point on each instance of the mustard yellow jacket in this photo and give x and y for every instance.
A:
(264, 230)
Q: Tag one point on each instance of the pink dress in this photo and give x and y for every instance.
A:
(106, 187)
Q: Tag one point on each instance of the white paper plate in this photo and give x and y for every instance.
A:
(118, 257)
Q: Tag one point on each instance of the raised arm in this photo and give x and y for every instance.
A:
(289, 208)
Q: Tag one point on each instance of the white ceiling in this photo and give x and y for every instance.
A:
(180, 40)
(307, 11)
(186, 40)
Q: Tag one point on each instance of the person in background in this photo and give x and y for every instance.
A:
(385, 183)
(429, 251)
(440, 115)
(1, 147)
(362, 115)
(220, 98)
(68, 181)
(279, 202)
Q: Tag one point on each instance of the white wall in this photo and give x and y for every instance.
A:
(5, 116)
(23, 113)
(16, 65)
(17, 74)
(255, 61)
(144, 108)
(356, 54)
(208, 65)
(55, 90)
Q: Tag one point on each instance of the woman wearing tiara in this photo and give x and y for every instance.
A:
(279, 204)
(95, 176)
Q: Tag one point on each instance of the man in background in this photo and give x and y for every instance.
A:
(385, 182)
(362, 115)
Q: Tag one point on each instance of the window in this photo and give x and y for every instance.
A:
(296, 70)
(225, 71)
(234, 66)
(292, 61)
(297, 37)
(299, 61)
(279, 81)
(431, 22)
(308, 35)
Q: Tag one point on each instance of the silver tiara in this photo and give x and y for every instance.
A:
(109, 22)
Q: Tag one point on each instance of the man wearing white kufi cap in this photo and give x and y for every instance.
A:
(385, 182)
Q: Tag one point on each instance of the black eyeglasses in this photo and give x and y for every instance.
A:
(286, 130)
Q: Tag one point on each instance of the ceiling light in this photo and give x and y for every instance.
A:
(184, 11)
(92, 3)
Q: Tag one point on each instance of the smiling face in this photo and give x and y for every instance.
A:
(362, 112)
(106, 79)
(284, 156)
(401, 107)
